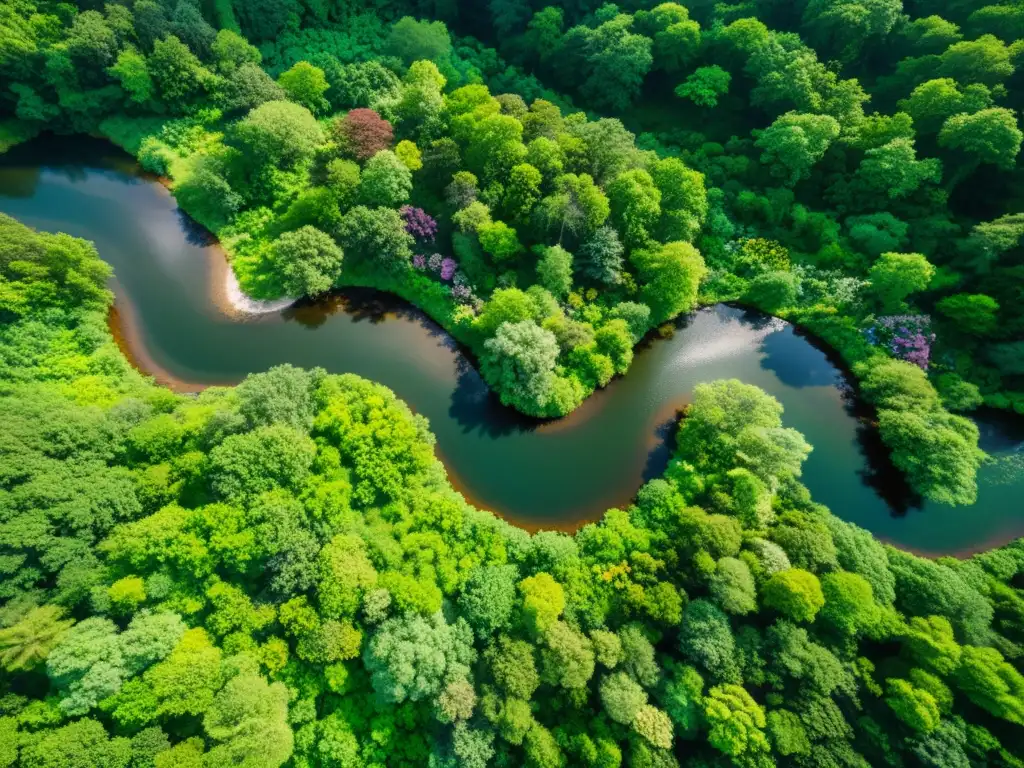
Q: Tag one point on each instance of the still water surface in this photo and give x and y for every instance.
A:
(169, 286)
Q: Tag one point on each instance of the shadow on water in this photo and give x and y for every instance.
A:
(544, 473)
(477, 410)
(195, 233)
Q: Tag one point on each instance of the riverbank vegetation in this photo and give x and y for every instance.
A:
(280, 574)
(346, 149)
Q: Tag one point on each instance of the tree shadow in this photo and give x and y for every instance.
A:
(195, 233)
(475, 407)
(795, 362)
(665, 433)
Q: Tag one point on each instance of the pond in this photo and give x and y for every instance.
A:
(174, 323)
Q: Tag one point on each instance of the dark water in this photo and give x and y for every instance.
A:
(550, 475)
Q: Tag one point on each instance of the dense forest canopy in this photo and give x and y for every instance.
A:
(280, 574)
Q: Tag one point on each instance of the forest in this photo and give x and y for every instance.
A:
(281, 574)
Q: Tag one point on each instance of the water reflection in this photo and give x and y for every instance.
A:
(540, 474)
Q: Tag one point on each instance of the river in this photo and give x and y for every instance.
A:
(174, 323)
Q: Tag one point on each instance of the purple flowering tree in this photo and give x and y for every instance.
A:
(448, 269)
(419, 223)
(907, 337)
(419, 261)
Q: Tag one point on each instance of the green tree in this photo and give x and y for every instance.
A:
(80, 744)
(599, 258)
(795, 142)
(737, 724)
(409, 658)
(26, 645)
(376, 235)
(894, 276)
(670, 275)
(795, 593)
(543, 602)
(489, 598)
(278, 132)
(554, 270)
(732, 586)
(131, 71)
(989, 136)
(974, 313)
(705, 86)
(386, 181)
(621, 697)
(412, 40)
(635, 206)
(915, 707)
(306, 85)
(307, 260)
(248, 721)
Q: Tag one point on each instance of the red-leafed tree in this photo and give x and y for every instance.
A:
(362, 133)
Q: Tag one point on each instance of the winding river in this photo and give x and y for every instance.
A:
(172, 319)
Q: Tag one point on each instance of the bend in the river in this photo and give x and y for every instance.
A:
(173, 322)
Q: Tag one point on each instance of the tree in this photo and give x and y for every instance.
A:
(772, 291)
(376, 235)
(635, 206)
(307, 260)
(26, 645)
(849, 603)
(248, 87)
(543, 602)
(362, 133)
(974, 313)
(795, 593)
(179, 76)
(599, 258)
(498, 239)
(576, 208)
(916, 707)
(230, 51)
(732, 586)
(346, 575)
(621, 697)
(985, 60)
(617, 62)
(410, 657)
(189, 25)
(278, 132)
(131, 71)
(412, 40)
(893, 169)
(706, 640)
(989, 136)
(795, 142)
(554, 270)
(567, 657)
(511, 663)
(248, 721)
(671, 275)
(87, 665)
(705, 85)
(507, 305)
(522, 191)
(842, 28)
(992, 683)
(386, 181)
(933, 102)
(306, 85)
(245, 465)
(489, 597)
(737, 723)
(80, 744)
(894, 276)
